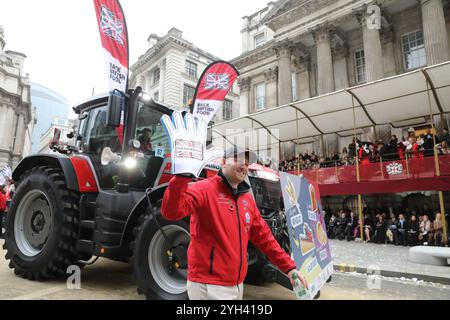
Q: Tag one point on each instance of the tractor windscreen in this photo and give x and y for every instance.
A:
(154, 146)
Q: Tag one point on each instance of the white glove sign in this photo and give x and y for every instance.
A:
(188, 143)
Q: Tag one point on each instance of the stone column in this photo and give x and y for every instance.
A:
(340, 54)
(434, 31)
(302, 63)
(271, 78)
(284, 73)
(372, 48)
(162, 80)
(20, 134)
(244, 90)
(322, 37)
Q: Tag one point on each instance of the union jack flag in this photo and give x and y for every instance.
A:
(189, 149)
(216, 81)
(111, 26)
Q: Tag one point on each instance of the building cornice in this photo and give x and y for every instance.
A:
(251, 57)
(169, 41)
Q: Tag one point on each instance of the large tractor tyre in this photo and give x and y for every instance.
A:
(256, 263)
(160, 270)
(41, 226)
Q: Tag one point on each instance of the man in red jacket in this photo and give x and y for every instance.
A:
(3, 199)
(223, 218)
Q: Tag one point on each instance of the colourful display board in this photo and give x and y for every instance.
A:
(307, 230)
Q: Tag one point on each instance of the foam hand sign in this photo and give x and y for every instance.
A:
(188, 143)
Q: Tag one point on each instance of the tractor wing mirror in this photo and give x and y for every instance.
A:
(115, 103)
(108, 156)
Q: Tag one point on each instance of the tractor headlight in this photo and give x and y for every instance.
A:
(130, 163)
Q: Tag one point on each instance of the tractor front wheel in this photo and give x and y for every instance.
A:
(160, 256)
(41, 225)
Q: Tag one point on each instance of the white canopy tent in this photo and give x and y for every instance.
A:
(401, 101)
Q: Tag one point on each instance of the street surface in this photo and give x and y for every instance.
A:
(110, 280)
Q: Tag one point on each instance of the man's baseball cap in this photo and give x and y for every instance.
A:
(237, 152)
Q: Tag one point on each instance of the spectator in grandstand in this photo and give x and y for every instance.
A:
(331, 227)
(425, 230)
(382, 151)
(368, 227)
(413, 231)
(438, 230)
(352, 223)
(380, 230)
(334, 157)
(391, 232)
(413, 148)
(352, 149)
(443, 148)
(445, 136)
(344, 153)
(341, 224)
(428, 144)
(402, 234)
(392, 148)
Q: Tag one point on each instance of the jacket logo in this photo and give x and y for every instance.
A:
(247, 217)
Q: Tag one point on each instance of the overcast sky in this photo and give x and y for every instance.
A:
(62, 42)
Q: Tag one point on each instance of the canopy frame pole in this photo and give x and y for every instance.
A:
(357, 170)
(381, 167)
(437, 167)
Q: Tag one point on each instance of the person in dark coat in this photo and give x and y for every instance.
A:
(402, 234)
(331, 227)
(445, 136)
(341, 224)
(428, 144)
(392, 149)
(380, 230)
(352, 223)
(413, 231)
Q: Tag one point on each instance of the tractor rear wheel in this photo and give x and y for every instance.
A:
(160, 268)
(41, 226)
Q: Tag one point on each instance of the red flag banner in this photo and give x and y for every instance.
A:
(213, 86)
(114, 36)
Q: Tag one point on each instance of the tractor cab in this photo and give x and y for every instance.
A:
(132, 153)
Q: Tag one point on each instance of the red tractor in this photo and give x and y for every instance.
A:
(102, 197)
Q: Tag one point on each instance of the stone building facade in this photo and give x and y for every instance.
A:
(297, 49)
(170, 69)
(16, 114)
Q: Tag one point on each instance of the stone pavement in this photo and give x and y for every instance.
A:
(392, 261)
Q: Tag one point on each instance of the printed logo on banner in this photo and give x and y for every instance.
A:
(215, 81)
(189, 149)
(323, 255)
(394, 168)
(312, 216)
(111, 26)
(296, 220)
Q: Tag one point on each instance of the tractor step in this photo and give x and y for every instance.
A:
(87, 224)
(85, 246)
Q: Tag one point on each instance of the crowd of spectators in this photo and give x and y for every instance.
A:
(380, 227)
(411, 146)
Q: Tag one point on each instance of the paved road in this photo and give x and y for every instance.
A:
(384, 257)
(112, 280)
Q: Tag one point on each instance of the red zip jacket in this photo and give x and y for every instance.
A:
(221, 224)
(3, 200)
